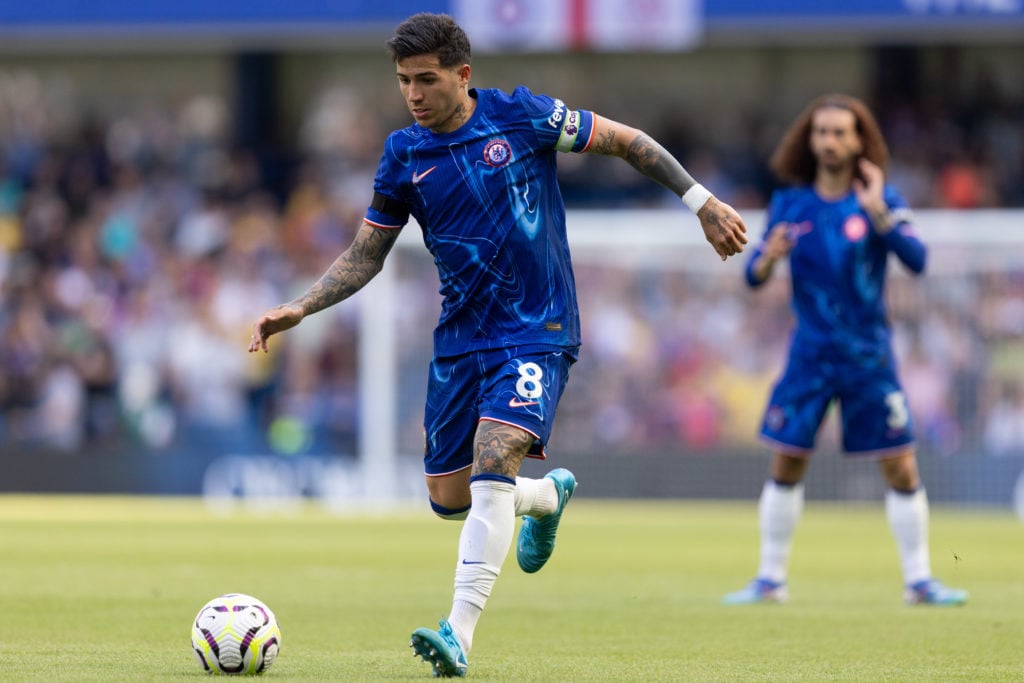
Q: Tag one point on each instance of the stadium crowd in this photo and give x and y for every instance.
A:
(136, 251)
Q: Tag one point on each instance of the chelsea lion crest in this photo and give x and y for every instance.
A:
(497, 153)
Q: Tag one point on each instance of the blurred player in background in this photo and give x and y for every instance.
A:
(477, 171)
(837, 224)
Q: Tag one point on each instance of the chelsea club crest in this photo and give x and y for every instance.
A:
(497, 153)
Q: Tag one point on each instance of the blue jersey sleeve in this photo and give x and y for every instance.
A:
(389, 208)
(901, 239)
(772, 216)
(555, 124)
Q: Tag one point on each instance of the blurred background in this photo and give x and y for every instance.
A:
(170, 170)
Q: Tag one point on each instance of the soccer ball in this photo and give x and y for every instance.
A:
(235, 634)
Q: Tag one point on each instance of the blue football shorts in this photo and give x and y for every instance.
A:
(874, 413)
(520, 386)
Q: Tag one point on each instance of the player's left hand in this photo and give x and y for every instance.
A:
(723, 227)
(868, 187)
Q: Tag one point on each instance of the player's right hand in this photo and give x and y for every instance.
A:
(779, 241)
(277, 319)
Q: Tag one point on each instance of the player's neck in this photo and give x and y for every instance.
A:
(463, 112)
(832, 184)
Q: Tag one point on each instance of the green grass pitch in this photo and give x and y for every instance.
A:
(105, 588)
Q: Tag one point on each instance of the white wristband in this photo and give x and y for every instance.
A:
(696, 197)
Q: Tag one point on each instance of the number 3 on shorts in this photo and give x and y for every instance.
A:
(899, 413)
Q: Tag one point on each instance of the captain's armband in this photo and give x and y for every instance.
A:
(885, 222)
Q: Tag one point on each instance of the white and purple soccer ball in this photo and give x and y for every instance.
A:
(235, 634)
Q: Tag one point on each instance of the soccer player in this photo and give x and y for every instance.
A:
(837, 223)
(477, 171)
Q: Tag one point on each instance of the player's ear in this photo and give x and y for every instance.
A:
(464, 72)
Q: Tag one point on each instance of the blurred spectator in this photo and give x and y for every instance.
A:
(1004, 427)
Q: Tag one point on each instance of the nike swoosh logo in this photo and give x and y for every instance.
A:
(468, 562)
(516, 403)
(417, 177)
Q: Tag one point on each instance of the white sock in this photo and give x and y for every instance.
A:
(463, 618)
(535, 497)
(779, 510)
(483, 544)
(908, 519)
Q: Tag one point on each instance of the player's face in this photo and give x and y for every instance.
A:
(436, 96)
(834, 139)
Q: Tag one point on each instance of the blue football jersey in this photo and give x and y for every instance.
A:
(838, 269)
(486, 197)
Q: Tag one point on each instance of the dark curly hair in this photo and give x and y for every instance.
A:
(794, 162)
(431, 34)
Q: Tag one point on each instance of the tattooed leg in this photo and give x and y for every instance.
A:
(499, 448)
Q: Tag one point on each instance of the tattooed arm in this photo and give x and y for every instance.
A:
(642, 153)
(722, 226)
(347, 275)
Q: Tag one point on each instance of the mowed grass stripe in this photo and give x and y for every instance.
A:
(105, 588)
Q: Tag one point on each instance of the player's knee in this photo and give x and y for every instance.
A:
(450, 513)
